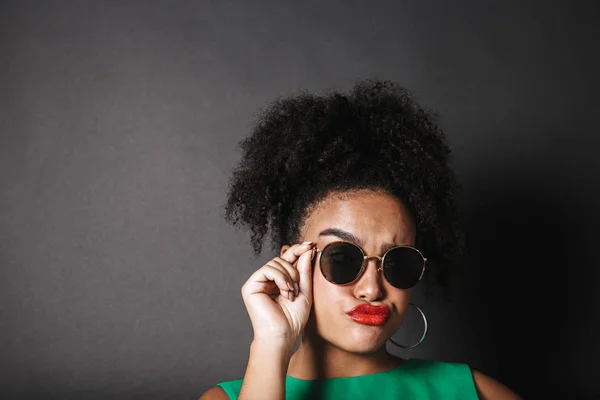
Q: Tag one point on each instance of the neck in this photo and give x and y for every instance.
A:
(318, 359)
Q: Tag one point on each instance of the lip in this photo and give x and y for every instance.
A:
(369, 315)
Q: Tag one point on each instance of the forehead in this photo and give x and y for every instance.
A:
(369, 215)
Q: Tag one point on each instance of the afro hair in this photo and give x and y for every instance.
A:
(376, 136)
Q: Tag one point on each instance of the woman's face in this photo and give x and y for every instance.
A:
(374, 221)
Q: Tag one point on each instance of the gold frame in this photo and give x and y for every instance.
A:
(365, 258)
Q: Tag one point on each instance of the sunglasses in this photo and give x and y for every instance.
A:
(343, 263)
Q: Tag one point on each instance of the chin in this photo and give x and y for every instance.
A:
(361, 347)
(361, 341)
(366, 350)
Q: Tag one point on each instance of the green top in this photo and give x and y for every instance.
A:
(413, 379)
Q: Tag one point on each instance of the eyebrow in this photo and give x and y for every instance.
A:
(349, 237)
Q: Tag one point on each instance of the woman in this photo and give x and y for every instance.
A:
(358, 197)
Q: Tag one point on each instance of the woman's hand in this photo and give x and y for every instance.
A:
(278, 297)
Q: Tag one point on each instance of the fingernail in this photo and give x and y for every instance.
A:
(290, 286)
(296, 289)
(307, 243)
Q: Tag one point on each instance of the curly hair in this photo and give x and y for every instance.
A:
(376, 136)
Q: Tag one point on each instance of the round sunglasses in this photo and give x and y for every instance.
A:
(343, 263)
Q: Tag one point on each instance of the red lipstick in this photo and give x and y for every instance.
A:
(369, 315)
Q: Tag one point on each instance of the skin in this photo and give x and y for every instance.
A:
(332, 345)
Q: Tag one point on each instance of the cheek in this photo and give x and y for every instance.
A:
(320, 287)
(327, 297)
(400, 298)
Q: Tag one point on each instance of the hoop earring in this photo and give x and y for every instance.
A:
(424, 332)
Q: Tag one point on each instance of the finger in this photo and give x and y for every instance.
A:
(291, 270)
(269, 288)
(288, 267)
(274, 264)
(293, 286)
(268, 274)
(292, 254)
(305, 269)
(289, 282)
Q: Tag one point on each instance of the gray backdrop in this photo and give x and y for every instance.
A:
(118, 129)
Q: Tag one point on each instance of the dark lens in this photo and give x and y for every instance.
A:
(341, 262)
(403, 267)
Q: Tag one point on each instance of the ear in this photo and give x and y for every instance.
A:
(284, 249)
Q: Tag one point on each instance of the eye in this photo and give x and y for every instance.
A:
(337, 256)
(391, 263)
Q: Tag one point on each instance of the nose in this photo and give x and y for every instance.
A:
(369, 287)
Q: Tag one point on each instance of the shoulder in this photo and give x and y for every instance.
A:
(490, 389)
(214, 393)
(223, 390)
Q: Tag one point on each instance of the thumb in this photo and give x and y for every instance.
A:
(305, 269)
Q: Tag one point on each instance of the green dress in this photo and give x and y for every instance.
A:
(413, 379)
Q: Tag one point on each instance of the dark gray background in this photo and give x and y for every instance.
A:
(118, 129)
